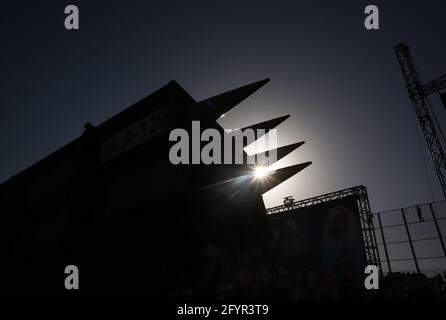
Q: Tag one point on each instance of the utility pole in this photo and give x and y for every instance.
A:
(419, 93)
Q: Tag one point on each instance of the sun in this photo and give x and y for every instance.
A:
(261, 172)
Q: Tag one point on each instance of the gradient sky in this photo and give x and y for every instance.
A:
(341, 84)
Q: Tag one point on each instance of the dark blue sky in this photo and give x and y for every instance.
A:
(341, 84)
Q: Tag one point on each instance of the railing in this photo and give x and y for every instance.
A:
(412, 239)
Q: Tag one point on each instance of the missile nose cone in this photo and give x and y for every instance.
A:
(277, 177)
(211, 109)
(270, 158)
(267, 125)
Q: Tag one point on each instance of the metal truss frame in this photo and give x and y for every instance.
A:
(365, 215)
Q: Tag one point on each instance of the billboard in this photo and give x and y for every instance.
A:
(313, 253)
(134, 135)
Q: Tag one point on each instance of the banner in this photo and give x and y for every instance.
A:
(314, 253)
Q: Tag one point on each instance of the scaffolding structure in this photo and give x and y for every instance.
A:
(365, 215)
(406, 233)
(419, 94)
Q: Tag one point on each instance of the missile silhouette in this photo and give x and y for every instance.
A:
(281, 152)
(210, 110)
(267, 125)
(225, 201)
(280, 175)
(213, 108)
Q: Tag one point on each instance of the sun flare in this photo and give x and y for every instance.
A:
(261, 172)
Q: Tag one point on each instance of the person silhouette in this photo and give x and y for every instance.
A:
(419, 213)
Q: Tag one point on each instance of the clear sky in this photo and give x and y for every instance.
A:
(341, 84)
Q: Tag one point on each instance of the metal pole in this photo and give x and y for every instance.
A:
(375, 246)
(384, 242)
(440, 236)
(410, 241)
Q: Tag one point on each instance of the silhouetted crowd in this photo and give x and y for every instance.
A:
(412, 286)
(247, 286)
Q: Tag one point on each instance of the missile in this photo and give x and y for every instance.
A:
(278, 176)
(213, 108)
(265, 158)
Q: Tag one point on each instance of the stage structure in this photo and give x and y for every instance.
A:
(360, 196)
